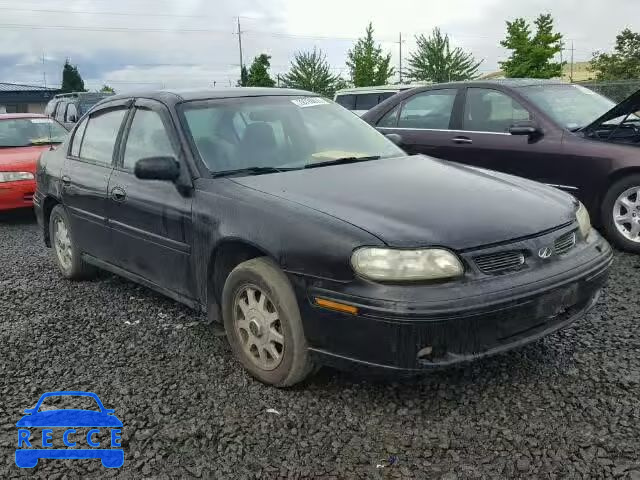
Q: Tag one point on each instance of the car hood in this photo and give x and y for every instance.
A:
(627, 106)
(22, 159)
(69, 418)
(421, 201)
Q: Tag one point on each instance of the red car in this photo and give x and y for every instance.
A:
(23, 137)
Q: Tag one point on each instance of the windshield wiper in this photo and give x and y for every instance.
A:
(342, 161)
(251, 170)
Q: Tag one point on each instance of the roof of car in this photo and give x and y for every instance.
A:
(507, 82)
(10, 116)
(204, 94)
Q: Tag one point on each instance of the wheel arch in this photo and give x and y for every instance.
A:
(225, 256)
(48, 204)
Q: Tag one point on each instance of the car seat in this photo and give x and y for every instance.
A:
(258, 147)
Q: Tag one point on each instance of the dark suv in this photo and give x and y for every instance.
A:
(564, 135)
(67, 108)
(313, 237)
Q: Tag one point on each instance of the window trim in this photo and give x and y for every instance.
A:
(73, 137)
(105, 109)
(507, 94)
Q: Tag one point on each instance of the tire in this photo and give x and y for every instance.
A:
(70, 263)
(607, 213)
(265, 282)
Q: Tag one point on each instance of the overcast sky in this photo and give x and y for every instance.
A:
(132, 44)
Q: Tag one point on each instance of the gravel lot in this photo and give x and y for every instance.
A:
(566, 407)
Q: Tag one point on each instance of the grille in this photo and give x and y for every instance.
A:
(500, 262)
(564, 243)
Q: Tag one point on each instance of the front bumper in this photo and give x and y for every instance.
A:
(14, 195)
(479, 319)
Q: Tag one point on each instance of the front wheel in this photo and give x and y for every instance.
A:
(621, 213)
(263, 324)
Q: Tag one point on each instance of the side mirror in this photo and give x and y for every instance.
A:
(157, 168)
(395, 138)
(525, 128)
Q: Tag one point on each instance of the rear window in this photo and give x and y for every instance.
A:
(367, 101)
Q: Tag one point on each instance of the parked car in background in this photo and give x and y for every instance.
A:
(361, 99)
(67, 108)
(23, 137)
(560, 134)
(314, 238)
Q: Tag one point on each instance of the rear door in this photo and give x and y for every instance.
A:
(85, 178)
(424, 122)
(484, 139)
(151, 219)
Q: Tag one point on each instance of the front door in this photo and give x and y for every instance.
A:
(85, 178)
(484, 139)
(424, 121)
(151, 219)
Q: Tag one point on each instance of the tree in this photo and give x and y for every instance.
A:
(71, 79)
(259, 72)
(367, 64)
(531, 55)
(107, 89)
(435, 61)
(244, 77)
(311, 71)
(624, 64)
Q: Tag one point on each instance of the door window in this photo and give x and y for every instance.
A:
(366, 101)
(390, 120)
(147, 138)
(428, 110)
(60, 110)
(77, 139)
(491, 111)
(72, 113)
(100, 136)
(347, 101)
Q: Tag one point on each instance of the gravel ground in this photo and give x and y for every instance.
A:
(565, 407)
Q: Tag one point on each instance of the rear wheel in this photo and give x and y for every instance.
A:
(263, 324)
(65, 251)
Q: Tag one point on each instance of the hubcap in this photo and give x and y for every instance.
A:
(626, 214)
(62, 243)
(257, 324)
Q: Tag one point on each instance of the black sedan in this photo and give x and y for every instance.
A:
(561, 134)
(311, 236)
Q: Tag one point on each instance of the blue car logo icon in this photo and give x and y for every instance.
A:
(67, 419)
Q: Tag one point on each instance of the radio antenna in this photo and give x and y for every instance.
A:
(49, 121)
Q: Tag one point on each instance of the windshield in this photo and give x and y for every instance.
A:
(572, 106)
(25, 132)
(85, 104)
(280, 132)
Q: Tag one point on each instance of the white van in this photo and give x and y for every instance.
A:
(361, 99)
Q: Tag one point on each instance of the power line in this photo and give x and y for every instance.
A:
(89, 12)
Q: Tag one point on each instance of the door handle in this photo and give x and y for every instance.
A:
(118, 194)
(466, 140)
(66, 180)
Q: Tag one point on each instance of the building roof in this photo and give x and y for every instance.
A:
(19, 87)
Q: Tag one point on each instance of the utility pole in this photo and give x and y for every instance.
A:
(400, 63)
(44, 72)
(240, 48)
(571, 71)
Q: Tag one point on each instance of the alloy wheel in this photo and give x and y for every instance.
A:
(257, 323)
(62, 242)
(626, 214)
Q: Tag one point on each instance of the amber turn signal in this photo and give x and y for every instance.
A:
(339, 307)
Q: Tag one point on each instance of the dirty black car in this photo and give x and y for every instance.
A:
(561, 134)
(313, 238)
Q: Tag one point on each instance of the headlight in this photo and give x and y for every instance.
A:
(584, 222)
(14, 176)
(393, 265)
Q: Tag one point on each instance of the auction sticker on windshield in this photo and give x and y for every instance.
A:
(91, 431)
(309, 102)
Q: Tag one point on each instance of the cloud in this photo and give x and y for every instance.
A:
(167, 43)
